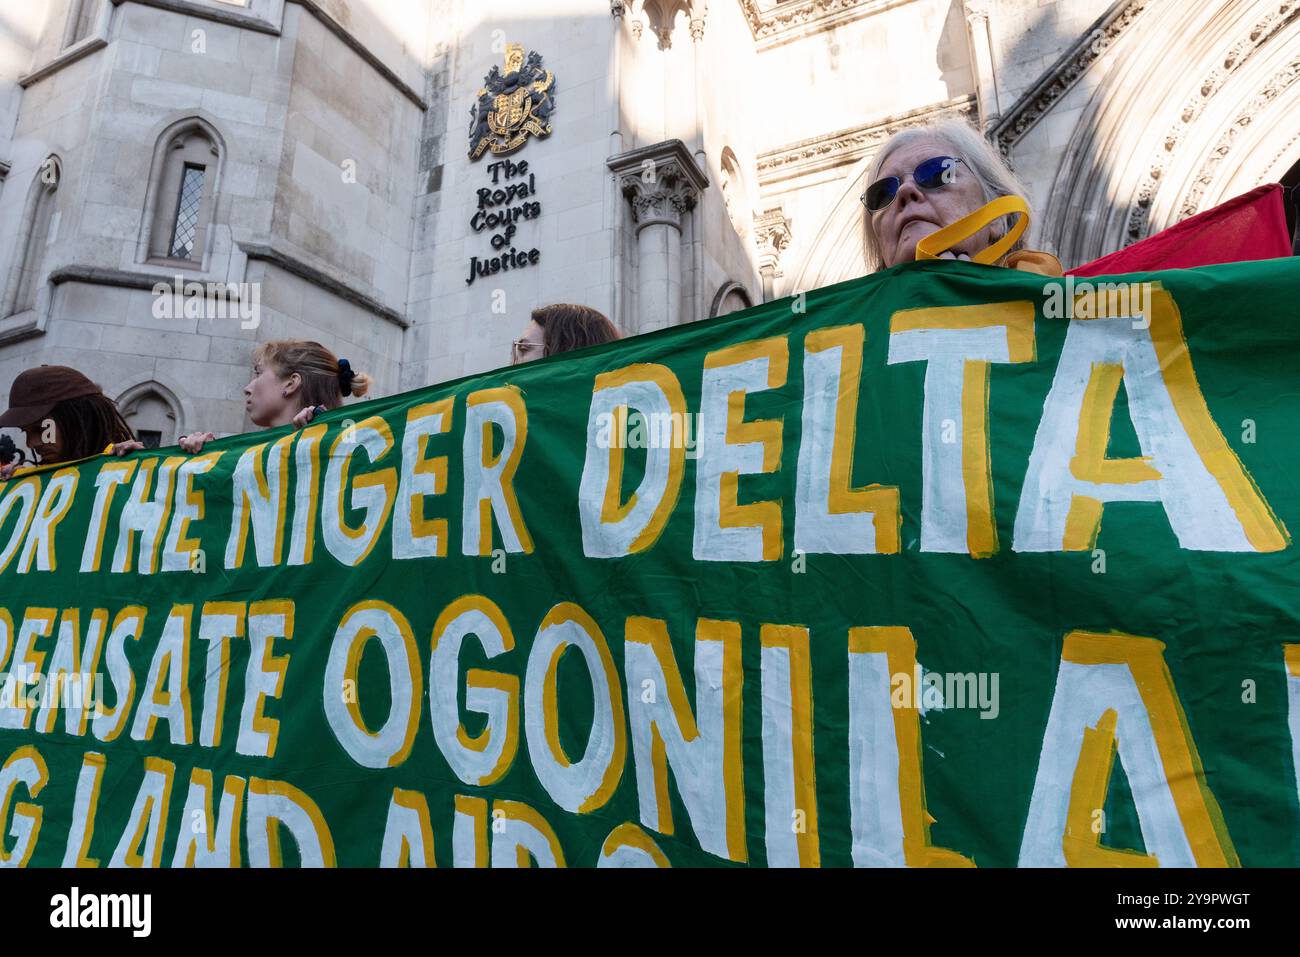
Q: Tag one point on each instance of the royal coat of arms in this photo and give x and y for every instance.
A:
(512, 105)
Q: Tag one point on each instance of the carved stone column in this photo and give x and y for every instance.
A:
(772, 234)
(662, 184)
(618, 9)
(698, 10)
(983, 67)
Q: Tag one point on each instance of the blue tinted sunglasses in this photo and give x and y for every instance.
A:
(935, 173)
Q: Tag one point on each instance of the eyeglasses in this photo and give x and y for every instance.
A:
(934, 173)
(525, 350)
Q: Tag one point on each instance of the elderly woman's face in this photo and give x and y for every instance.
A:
(915, 213)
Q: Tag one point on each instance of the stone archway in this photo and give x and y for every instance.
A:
(153, 412)
(730, 297)
(1155, 145)
(839, 251)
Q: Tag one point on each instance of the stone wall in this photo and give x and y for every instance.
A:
(460, 328)
(313, 208)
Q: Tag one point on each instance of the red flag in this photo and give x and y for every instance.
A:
(1251, 226)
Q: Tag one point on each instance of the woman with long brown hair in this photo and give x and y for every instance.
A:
(293, 381)
(562, 327)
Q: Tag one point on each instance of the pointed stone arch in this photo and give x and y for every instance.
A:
(22, 286)
(1154, 145)
(152, 406)
(839, 250)
(187, 143)
(736, 193)
(731, 297)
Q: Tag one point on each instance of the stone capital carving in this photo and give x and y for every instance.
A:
(772, 235)
(660, 195)
(661, 182)
(661, 17)
(617, 8)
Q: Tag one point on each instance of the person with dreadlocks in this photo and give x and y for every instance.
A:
(65, 417)
(562, 327)
(293, 381)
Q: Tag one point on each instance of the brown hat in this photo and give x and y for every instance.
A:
(37, 391)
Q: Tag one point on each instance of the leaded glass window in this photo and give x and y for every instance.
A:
(187, 212)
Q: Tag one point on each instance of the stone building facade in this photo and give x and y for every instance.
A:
(303, 168)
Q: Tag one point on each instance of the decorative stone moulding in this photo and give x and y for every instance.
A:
(1060, 78)
(848, 146)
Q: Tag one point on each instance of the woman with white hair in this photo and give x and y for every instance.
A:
(939, 176)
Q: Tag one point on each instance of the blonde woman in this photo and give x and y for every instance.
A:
(293, 381)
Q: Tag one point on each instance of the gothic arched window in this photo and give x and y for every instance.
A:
(182, 194)
(153, 414)
(735, 195)
(730, 297)
(34, 235)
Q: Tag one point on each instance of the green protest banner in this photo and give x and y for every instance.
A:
(946, 566)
